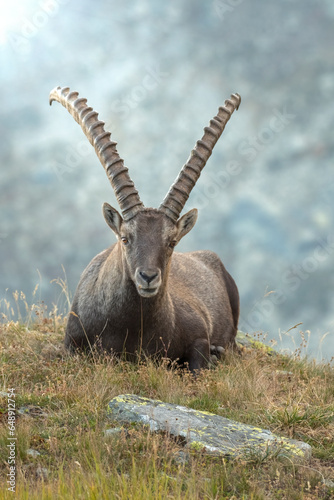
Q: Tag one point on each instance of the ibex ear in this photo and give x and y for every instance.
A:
(187, 222)
(112, 218)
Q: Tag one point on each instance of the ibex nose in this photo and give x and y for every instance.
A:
(148, 277)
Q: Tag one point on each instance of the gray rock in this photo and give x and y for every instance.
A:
(328, 483)
(114, 431)
(31, 411)
(204, 431)
(33, 453)
(182, 458)
(42, 473)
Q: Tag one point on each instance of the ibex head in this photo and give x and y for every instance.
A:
(146, 243)
(146, 236)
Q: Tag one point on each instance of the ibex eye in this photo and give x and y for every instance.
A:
(173, 244)
(124, 240)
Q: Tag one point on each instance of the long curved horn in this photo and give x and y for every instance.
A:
(125, 191)
(190, 172)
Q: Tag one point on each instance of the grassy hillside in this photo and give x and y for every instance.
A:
(61, 406)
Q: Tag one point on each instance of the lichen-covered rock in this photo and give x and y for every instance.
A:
(202, 430)
(245, 340)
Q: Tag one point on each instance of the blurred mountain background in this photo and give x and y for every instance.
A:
(157, 72)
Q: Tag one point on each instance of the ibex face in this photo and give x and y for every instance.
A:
(147, 242)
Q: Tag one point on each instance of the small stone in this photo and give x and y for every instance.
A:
(33, 453)
(182, 458)
(328, 483)
(114, 431)
(284, 373)
(31, 411)
(42, 473)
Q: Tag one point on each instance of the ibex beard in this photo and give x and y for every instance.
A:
(139, 295)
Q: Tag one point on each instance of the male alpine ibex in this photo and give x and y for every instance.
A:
(139, 295)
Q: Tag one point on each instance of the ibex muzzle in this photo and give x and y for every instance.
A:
(139, 294)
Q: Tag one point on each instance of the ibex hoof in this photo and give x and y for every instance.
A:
(213, 359)
(217, 350)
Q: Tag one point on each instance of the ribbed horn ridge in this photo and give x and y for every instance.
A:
(125, 191)
(190, 172)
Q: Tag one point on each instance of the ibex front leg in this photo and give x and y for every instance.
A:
(199, 355)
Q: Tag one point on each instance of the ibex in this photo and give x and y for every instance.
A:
(139, 295)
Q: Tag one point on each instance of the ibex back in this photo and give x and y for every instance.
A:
(139, 295)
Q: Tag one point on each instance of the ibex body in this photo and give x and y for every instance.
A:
(139, 295)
